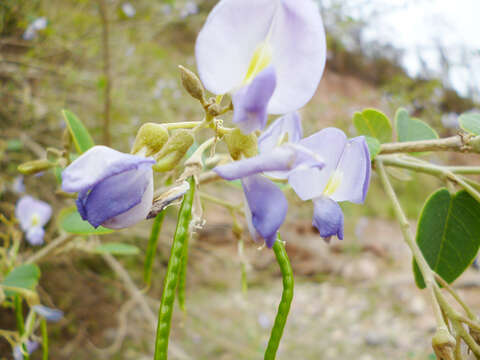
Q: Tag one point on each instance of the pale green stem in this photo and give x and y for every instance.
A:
(431, 169)
(409, 239)
(182, 125)
(455, 295)
(218, 201)
(454, 143)
(61, 240)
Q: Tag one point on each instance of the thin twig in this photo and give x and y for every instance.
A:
(106, 71)
(454, 143)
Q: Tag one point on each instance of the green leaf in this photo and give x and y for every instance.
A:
(373, 146)
(71, 222)
(80, 135)
(14, 145)
(470, 123)
(373, 123)
(448, 234)
(24, 276)
(117, 249)
(412, 129)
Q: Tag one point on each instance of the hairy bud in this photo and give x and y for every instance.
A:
(151, 137)
(240, 144)
(173, 151)
(192, 84)
(443, 344)
(35, 166)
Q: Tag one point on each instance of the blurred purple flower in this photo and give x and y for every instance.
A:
(267, 206)
(31, 347)
(128, 9)
(269, 54)
(33, 215)
(17, 185)
(115, 190)
(345, 177)
(31, 31)
(52, 315)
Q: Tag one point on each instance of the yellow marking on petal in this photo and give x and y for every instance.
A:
(35, 219)
(262, 57)
(333, 183)
(283, 139)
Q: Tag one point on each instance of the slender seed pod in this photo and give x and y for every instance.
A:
(287, 296)
(172, 275)
(182, 281)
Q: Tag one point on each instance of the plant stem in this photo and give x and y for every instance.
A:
(427, 273)
(454, 143)
(62, 239)
(182, 125)
(152, 247)
(431, 169)
(171, 277)
(106, 71)
(218, 201)
(284, 306)
(43, 325)
(457, 297)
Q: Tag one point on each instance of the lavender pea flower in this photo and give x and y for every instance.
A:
(31, 346)
(52, 315)
(269, 54)
(115, 190)
(33, 215)
(345, 177)
(266, 206)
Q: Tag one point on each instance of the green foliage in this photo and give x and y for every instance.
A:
(412, 129)
(373, 123)
(117, 249)
(80, 135)
(14, 145)
(25, 276)
(448, 234)
(70, 221)
(373, 146)
(470, 122)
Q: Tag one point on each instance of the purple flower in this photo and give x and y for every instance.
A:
(115, 190)
(33, 215)
(52, 315)
(31, 347)
(267, 206)
(345, 177)
(269, 54)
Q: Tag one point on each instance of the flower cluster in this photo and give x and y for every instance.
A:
(324, 167)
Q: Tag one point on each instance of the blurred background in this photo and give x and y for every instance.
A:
(118, 60)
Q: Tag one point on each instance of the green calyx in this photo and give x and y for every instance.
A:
(240, 144)
(151, 137)
(173, 151)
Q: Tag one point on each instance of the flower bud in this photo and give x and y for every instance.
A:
(173, 151)
(240, 144)
(475, 143)
(151, 137)
(443, 344)
(34, 167)
(192, 84)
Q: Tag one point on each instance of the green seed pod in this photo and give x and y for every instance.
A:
(151, 137)
(34, 167)
(240, 144)
(173, 151)
(192, 84)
